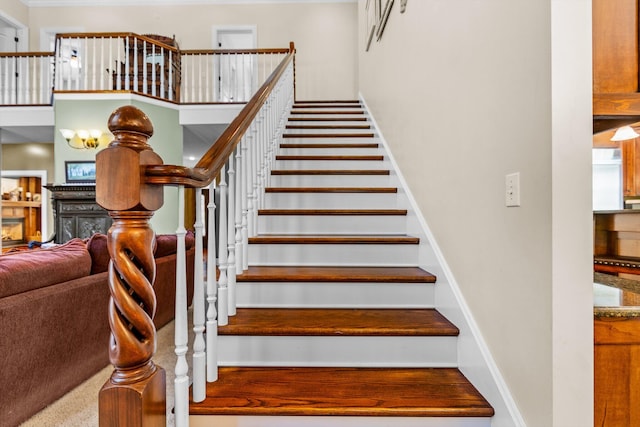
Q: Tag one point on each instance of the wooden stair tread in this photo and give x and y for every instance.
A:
(335, 274)
(334, 212)
(313, 112)
(331, 190)
(330, 172)
(327, 119)
(328, 135)
(328, 126)
(338, 322)
(329, 239)
(331, 101)
(329, 157)
(346, 145)
(416, 392)
(321, 105)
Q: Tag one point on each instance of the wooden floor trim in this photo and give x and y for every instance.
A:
(331, 101)
(319, 105)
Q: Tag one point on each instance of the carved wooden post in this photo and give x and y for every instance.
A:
(135, 395)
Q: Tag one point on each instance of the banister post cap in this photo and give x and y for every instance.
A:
(130, 120)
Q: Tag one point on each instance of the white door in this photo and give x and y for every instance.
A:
(236, 72)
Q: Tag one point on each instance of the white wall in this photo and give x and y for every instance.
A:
(463, 94)
(325, 34)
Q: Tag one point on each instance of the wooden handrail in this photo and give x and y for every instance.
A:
(232, 51)
(212, 161)
(114, 35)
(25, 54)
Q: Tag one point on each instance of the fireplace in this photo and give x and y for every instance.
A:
(12, 231)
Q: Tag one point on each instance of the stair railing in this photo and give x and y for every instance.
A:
(91, 62)
(26, 78)
(130, 180)
(214, 76)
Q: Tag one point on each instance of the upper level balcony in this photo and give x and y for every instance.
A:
(149, 65)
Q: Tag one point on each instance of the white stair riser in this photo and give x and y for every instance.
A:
(234, 350)
(331, 200)
(328, 131)
(329, 181)
(333, 254)
(309, 421)
(328, 140)
(330, 164)
(335, 295)
(298, 224)
(329, 151)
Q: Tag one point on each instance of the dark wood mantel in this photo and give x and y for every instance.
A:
(76, 213)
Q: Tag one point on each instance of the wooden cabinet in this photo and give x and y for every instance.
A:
(21, 214)
(76, 213)
(616, 371)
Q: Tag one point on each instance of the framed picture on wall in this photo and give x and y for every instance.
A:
(80, 171)
(384, 17)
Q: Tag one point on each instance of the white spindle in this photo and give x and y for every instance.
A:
(231, 236)
(238, 208)
(181, 382)
(223, 294)
(244, 196)
(212, 291)
(127, 71)
(199, 348)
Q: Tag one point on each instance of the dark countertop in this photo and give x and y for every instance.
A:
(620, 283)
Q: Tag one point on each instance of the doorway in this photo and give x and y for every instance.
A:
(235, 73)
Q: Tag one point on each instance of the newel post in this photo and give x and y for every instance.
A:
(135, 394)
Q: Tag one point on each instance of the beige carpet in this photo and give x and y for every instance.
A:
(79, 407)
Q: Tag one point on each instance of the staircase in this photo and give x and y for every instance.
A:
(336, 324)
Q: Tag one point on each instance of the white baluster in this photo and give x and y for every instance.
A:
(223, 294)
(251, 176)
(238, 206)
(181, 382)
(199, 355)
(231, 236)
(212, 321)
(244, 197)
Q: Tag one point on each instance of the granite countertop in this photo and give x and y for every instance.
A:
(619, 283)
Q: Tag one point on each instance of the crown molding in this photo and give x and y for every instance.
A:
(90, 3)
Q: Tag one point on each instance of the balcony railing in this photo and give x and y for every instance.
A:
(148, 65)
(26, 78)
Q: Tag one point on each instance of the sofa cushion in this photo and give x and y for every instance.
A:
(27, 270)
(166, 244)
(97, 246)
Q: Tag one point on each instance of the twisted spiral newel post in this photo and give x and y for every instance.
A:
(135, 394)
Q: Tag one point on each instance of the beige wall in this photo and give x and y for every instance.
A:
(325, 34)
(462, 92)
(16, 10)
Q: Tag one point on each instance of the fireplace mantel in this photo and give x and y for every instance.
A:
(76, 213)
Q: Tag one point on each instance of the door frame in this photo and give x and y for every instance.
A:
(22, 32)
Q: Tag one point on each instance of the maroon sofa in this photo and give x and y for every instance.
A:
(54, 329)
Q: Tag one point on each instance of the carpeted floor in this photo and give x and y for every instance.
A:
(79, 408)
